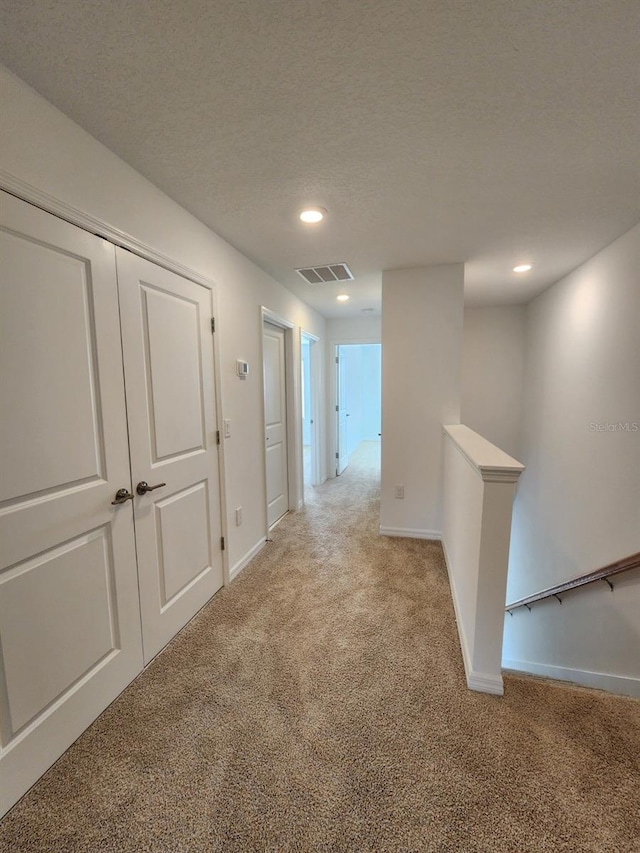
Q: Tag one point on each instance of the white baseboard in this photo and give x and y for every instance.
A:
(482, 682)
(621, 684)
(410, 533)
(243, 561)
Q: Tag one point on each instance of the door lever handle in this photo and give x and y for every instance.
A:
(122, 496)
(143, 487)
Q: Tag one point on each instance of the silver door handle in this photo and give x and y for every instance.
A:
(122, 496)
(143, 487)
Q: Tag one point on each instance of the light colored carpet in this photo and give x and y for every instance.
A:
(319, 704)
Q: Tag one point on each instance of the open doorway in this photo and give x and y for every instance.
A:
(358, 403)
(309, 405)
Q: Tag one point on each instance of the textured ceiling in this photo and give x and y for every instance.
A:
(483, 131)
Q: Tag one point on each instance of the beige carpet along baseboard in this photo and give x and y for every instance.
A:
(244, 561)
(411, 533)
(622, 684)
(318, 704)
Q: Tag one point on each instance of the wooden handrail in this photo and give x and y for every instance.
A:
(603, 574)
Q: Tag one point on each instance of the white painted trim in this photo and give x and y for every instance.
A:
(275, 319)
(411, 533)
(31, 194)
(244, 561)
(314, 338)
(478, 681)
(481, 682)
(334, 385)
(222, 477)
(278, 520)
(493, 464)
(622, 684)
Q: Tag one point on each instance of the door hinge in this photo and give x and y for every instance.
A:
(337, 456)
(222, 543)
(217, 436)
(337, 408)
(213, 324)
(337, 360)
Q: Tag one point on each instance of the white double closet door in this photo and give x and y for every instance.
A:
(106, 382)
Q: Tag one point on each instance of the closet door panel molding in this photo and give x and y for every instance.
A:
(70, 636)
(169, 369)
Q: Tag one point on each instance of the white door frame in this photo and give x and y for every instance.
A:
(294, 427)
(314, 374)
(332, 392)
(217, 378)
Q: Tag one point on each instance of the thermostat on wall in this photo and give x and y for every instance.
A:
(243, 368)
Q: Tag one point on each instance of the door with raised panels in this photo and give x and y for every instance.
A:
(69, 611)
(168, 357)
(275, 417)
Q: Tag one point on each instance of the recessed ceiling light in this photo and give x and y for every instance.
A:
(342, 298)
(522, 268)
(312, 214)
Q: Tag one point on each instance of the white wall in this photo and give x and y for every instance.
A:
(493, 346)
(422, 315)
(355, 330)
(578, 503)
(42, 147)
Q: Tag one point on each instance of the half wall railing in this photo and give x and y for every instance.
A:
(479, 486)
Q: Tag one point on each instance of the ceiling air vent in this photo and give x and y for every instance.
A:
(326, 273)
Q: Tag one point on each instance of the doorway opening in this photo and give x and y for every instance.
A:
(358, 402)
(309, 408)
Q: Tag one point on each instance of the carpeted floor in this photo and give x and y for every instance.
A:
(319, 704)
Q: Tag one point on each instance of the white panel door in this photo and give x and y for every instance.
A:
(342, 455)
(69, 611)
(168, 357)
(275, 416)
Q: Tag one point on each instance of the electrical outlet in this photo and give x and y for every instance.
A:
(238, 516)
(399, 492)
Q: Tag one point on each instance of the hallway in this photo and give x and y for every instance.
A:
(319, 704)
